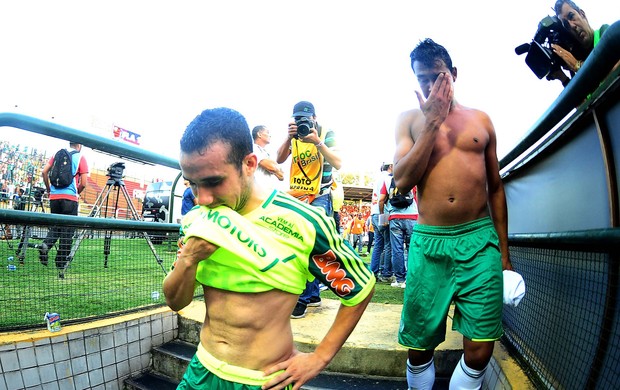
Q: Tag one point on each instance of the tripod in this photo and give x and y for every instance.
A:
(114, 182)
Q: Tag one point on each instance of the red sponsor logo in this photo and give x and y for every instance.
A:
(335, 276)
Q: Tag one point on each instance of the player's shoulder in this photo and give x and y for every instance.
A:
(472, 111)
(410, 114)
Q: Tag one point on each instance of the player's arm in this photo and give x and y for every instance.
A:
(411, 158)
(180, 283)
(497, 196)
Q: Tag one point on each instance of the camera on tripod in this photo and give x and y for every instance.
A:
(115, 171)
(304, 125)
(540, 56)
(37, 194)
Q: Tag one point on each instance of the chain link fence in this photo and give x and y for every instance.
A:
(113, 267)
(566, 329)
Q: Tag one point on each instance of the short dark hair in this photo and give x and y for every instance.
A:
(558, 6)
(428, 52)
(256, 130)
(219, 124)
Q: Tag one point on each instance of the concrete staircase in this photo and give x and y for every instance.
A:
(371, 359)
(170, 360)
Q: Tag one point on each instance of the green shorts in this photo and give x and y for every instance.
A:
(460, 263)
(207, 372)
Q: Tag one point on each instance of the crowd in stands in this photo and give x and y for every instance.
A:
(20, 168)
(348, 210)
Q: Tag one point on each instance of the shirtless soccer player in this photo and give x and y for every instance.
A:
(459, 246)
(251, 250)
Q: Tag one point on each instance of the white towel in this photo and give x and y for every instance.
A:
(514, 288)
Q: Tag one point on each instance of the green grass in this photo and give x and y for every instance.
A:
(384, 293)
(88, 289)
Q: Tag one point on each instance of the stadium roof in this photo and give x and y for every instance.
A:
(357, 193)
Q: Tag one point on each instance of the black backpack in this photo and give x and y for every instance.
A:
(61, 175)
(398, 200)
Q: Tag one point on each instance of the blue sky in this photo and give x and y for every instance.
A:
(151, 66)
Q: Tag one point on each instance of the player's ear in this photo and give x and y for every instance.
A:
(250, 163)
(454, 73)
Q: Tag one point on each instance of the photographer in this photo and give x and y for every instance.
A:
(63, 200)
(586, 38)
(313, 158)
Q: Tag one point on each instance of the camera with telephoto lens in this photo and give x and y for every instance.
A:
(540, 56)
(115, 171)
(304, 125)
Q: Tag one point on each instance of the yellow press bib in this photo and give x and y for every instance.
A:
(306, 168)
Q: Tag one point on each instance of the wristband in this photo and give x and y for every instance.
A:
(320, 144)
(578, 65)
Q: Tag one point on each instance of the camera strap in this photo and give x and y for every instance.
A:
(307, 168)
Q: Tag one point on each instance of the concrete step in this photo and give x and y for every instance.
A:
(172, 358)
(150, 381)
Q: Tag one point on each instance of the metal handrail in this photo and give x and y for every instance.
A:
(8, 216)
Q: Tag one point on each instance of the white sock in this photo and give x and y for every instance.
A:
(421, 377)
(465, 378)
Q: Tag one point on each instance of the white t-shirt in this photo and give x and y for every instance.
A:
(265, 178)
(383, 179)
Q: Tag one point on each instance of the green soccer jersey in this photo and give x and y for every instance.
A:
(279, 245)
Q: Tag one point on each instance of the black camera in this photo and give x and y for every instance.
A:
(304, 125)
(540, 56)
(115, 171)
(37, 193)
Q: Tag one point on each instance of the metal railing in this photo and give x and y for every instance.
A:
(115, 265)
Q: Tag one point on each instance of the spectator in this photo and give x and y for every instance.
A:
(314, 157)
(357, 232)
(189, 200)
(460, 244)
(63, 201)
(371, 234)
(337, 202)
(401, 222)
(380, 225)
(246, 339)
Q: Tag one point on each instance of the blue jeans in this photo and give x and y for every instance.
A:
(381, 249)
(400, 234)
(357, 240)
(324, 202)
(312, 288)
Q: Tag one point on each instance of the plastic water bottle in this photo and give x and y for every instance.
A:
(155, 295)
(10, 259)
(11, 267)
(53, 322)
